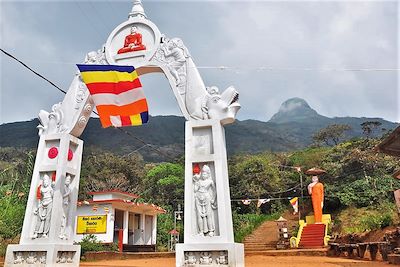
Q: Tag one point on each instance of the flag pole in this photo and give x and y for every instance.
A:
(301, 189)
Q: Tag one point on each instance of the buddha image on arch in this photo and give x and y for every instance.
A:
(133, 42)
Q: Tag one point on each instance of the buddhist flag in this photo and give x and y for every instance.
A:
(262, 201)
(117, 94)
(246, 201)
(295, 204)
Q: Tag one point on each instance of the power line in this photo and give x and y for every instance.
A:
(260, 68)
(38, 74)
(61, 90)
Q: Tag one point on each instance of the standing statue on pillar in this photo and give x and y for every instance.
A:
(45, 205)
(205, 201)
(65, 208)
(316, 190)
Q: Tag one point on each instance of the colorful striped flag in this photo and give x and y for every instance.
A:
(117, 94)
(295, 204)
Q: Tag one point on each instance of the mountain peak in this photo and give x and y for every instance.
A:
(294, 104)
(294, 110)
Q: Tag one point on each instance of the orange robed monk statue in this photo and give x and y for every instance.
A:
(133, 42)
(316, 190)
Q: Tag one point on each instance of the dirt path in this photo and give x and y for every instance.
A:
(251, 261)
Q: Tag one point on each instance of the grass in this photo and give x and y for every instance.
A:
(359, 220)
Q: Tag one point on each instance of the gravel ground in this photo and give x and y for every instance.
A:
(251, 261)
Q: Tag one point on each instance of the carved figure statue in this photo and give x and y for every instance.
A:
(222, 258)
(133, 42)
(205, 201)
(45, 205)
(96, 57)
(316, 190)
(19, 258)
(175, 54)
(31, 259)
(211, 96)
(65, 207)
(51, 122)
(205, 257)
(63, 257)
(191, 258)
(42, 258)
(70, 255)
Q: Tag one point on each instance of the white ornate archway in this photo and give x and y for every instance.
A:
(49, 218)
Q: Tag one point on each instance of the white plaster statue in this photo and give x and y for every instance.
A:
(191, 258)
(96, 57)
(65, 207)
(205, 201)
(212, 95)
(42, 258)
(43, 211)
(64, 257)
(222, 258)
(51, 122)
(70, 254)
(19, 258)
(175, 55)
(31, 259)
(205, 258)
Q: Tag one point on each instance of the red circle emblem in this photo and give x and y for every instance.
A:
(70, 154)
(53, 152)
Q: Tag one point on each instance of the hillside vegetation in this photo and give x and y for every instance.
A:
(291, 128)
(358, 183)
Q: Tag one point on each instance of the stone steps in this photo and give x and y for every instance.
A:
(312, 236)
(264, 238)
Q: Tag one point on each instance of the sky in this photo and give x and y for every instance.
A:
(330, 53)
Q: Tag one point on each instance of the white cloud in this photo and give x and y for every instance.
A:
(273, 34)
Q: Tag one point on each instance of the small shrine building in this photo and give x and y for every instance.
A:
(116, 217)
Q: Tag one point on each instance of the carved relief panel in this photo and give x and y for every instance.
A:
(44, 205)
(206, 258)
(66, 192)
(203, 141)
(205, 200)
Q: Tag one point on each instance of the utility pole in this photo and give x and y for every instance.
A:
(302, 194)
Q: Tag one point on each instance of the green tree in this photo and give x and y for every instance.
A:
(368, 127)
(164, 184)
(105, 171)
(331, 134)
(253, 177)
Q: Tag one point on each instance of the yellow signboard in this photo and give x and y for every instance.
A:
(96, 224)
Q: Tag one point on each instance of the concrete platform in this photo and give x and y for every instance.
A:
(97, 256)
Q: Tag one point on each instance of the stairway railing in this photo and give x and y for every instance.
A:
(326, 219)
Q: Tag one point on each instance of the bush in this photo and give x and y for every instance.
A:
(374, 222)
(12, 211)
(91, 243)
(165, 223)
(358, 220)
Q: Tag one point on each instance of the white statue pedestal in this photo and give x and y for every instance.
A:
(49, 222)
(208, 228)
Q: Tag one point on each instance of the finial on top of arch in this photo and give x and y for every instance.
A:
(137, 10)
